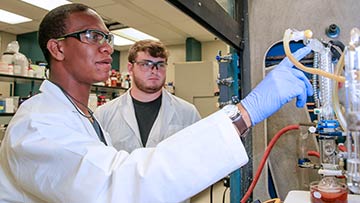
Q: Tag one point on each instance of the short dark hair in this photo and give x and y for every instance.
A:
(54, 25)
(154, 48)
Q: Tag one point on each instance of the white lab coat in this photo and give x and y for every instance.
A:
(51, 153)
(118, 118)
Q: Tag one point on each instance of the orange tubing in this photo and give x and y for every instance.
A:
(263, 160)
(342, 148)
(313, 153)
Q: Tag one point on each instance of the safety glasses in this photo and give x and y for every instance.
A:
(146, 65)
(90, 36)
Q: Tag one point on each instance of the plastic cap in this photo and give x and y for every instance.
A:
(312, 129)
(308, 34)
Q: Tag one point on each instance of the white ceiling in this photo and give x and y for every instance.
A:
(155, 17)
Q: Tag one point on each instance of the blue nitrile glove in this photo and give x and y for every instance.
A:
(279, 87)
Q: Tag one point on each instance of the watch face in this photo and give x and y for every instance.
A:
(231, 110)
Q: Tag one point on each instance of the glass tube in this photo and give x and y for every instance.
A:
(352, 85)
(327, 112)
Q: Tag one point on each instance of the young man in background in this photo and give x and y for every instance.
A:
(147, 113)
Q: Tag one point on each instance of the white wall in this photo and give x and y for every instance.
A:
(210, 49)
(5, 39)
(218, 191)
(177, 53)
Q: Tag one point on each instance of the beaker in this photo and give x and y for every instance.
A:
(328, 190)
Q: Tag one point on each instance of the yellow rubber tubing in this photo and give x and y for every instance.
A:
(317, 71)
(276, 200)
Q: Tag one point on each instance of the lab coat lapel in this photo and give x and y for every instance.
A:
(129, 116)
(167, 111)
(88, 125)
(51, 88)
(162, 122)
(106, 134)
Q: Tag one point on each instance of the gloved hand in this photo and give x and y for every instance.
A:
(279, 87)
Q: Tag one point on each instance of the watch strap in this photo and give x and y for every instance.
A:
(240, 124)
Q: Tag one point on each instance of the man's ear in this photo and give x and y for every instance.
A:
(130, 66)
(55, 49)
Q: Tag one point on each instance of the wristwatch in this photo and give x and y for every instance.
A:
(235, 115)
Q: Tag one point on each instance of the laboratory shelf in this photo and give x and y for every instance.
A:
(18, 78)
(107, 87)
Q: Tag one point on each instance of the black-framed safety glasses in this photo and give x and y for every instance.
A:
(90, 36)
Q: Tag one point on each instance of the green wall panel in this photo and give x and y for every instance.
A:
(193, 49)
(25, 89)
(29, 46)
(116, 60)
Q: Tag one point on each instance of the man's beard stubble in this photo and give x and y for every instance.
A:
(148, 89)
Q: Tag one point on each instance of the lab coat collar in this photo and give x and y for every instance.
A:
(163, 120)
(48, 87)
(167, 110)
(130, 118)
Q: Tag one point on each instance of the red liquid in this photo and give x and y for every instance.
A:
(326, 197)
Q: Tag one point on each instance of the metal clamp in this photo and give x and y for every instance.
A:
(226, 81)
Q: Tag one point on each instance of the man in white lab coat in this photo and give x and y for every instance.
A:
(54, 150)
(147, 113)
